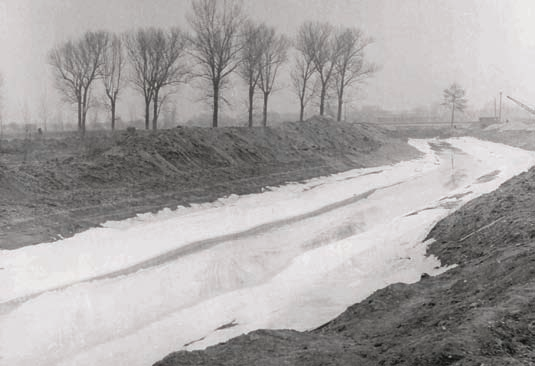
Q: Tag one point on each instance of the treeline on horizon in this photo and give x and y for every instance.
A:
(222, 41)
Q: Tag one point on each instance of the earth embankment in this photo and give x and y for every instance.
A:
(55, 187)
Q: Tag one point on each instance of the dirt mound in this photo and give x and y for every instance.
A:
(172, 152)
(9, 187)
(512, 126)
(64, 185)
(480, 313)
(188, 153)
(518, 138)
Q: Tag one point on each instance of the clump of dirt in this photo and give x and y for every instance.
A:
(481, 312)
(521, 139)
(55, 187)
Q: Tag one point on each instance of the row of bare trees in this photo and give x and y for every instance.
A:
(158, 63)
(223, 41)
(76, 65)
(334, 57)
(262, 55)
(155, 59)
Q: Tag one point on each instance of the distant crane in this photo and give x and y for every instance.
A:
(527, 108)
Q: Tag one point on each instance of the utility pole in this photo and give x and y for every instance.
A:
(495, 114)
(500, 117)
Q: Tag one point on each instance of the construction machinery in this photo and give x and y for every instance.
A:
(527, 108)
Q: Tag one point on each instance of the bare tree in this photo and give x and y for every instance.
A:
(112, 73)
(350, 67)
(249, 68)
(216, 43)
(322, 49)
(92, 48)
(454, 98)
(156, 56)
(168, 49)
(139, 49)
(274, 54)
(68, 73)
(76, 66)
(303, 69)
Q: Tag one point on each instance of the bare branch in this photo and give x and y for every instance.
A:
(249, 68)
(112, 73)
(319, 44)
(216, 42)
(76, 64)
(350, 67)
(274, 54)
(303, 69)
(157, 59)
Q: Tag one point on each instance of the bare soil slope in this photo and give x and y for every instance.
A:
(56, 187)
(479, 313)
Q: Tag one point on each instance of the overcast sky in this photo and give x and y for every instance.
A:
(422, 46)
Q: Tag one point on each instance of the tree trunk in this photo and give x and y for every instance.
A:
(84, 117)
(80, 114)
(322, 99)
(84, 111)
(112, 114)
(452, 113)
(84, 114)
(155, 111)
(251, 97)
(216, 105)
(302, 101)
(340, 100)
(147, 113)
(340, 104)
(264, 113)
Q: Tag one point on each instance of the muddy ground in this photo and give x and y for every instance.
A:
(53, 187)
(480, 313)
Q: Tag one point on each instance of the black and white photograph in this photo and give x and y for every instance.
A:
(267, 182)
